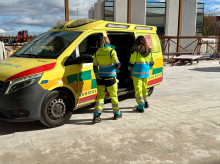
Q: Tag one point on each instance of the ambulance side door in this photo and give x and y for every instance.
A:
(85, 49)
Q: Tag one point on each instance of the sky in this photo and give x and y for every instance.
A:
(38, 16)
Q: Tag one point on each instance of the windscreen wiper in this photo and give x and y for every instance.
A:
(28, 55)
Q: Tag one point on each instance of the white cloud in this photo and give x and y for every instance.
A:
(40, 13)
(2, 31)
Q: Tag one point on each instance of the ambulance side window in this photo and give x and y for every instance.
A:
(71, 59)
(87, 47)
(90, 44)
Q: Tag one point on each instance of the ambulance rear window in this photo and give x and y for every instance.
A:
(143, 28)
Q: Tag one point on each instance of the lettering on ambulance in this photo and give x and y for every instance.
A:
(88, 96)
(156, 76)
(149, 40)
(87, 86)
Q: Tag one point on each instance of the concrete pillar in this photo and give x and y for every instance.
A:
(189, 23)
(98, 10)
(189, 17)
(171, 25)
(121, 11)
(138, 12)
(91, 13)
(172, 12)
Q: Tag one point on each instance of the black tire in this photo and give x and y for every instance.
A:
(56, 109)
(191, 62)
(150, 91)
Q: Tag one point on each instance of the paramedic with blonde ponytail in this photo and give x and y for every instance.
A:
(140, 62)
(105, 64)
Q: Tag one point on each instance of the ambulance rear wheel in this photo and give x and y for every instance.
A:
(150, 90)
(56, 109)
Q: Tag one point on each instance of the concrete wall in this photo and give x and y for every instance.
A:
(91, 13)
(98, 10)
(138, 12)
(120, 11)
(205, 47)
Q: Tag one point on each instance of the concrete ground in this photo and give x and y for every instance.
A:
(182, 126)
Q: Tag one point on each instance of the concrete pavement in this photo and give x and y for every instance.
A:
(182, 126)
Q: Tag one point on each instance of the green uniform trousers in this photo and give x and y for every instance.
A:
(141, 92)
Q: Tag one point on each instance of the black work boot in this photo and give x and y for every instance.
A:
(140, 110)
(117, 116)
(146, 105)
(97, 119)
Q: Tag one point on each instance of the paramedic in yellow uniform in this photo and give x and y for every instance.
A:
(105, 63)
(140, 62)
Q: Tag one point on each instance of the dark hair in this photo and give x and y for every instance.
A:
(141, 44)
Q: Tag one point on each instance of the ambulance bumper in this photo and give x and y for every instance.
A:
(22, 105)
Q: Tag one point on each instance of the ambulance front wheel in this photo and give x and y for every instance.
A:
(56, 109)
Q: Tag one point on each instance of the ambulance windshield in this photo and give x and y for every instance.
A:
(48, 45)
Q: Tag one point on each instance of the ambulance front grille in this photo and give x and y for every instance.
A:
(1, 85)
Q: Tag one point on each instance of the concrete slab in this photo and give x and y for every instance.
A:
(182, 126)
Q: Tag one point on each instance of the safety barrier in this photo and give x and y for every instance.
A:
(207, 46)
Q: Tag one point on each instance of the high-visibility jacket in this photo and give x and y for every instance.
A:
(105, 61)
(141, 64)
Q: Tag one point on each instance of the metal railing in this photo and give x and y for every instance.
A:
(194, 45)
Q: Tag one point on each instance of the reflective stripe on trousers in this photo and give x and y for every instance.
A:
(101, 96)
(140, 87)
(144, 63)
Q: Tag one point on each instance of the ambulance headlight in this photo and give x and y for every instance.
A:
(18, 84)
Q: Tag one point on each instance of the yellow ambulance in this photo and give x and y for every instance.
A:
(53, 74)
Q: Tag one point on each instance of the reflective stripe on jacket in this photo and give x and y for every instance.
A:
(105, 59)
(141, 64)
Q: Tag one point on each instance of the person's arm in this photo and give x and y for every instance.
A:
(132, 60)
(95, 65)
(115, 60)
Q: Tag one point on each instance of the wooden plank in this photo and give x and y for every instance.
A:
(187, 57)
(166, 53)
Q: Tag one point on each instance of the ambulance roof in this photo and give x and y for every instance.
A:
(87, 24)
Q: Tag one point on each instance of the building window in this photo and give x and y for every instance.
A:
(156, 15)
(109, 10)
(199, 19)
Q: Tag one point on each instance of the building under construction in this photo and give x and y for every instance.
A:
(168, 16)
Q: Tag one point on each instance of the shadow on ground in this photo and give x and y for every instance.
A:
(13, 127)
(207, 69)
(89, 109)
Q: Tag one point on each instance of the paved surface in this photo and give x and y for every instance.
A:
(182, 126)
